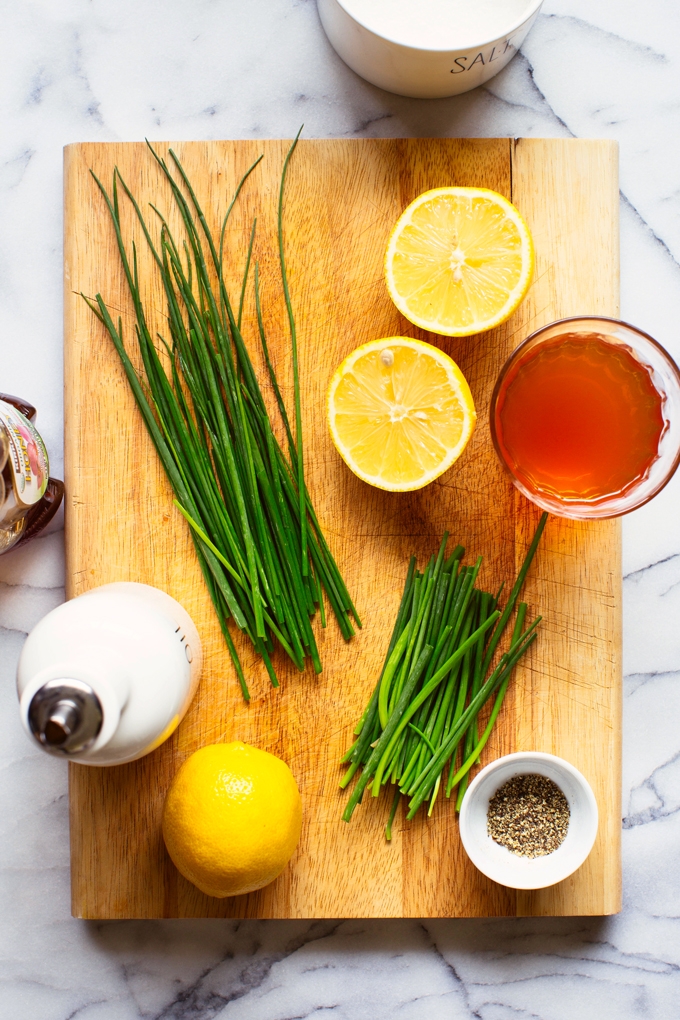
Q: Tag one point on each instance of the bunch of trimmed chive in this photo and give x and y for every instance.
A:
(438, 674)
(263, 555)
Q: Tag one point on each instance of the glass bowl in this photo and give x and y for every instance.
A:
(665, 377)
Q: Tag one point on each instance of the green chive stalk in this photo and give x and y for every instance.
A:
(443, 665)
(266, 563)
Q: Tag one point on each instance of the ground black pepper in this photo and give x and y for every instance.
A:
(529, 815)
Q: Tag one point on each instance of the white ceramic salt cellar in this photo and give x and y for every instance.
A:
(107, 677)
(446, 64)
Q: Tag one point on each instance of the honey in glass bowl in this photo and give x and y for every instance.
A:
(585, 416)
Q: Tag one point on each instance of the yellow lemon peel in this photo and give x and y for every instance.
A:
(232, 818)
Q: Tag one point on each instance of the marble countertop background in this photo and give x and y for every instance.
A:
(75, 70)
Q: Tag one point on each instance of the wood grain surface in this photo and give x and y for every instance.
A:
(342, 200)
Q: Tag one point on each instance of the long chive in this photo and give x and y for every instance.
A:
(264, 557)
(477, 749)
(419, 791)
(393, 811)
(516, 588)
(386, 735)
(412, 727)
(426, 691)
(296, 374)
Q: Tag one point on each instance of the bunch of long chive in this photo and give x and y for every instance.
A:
(263, 555)
(440, 670)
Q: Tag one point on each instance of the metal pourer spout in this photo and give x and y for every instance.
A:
(65, 716)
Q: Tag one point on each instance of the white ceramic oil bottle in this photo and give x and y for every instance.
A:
(107, 677)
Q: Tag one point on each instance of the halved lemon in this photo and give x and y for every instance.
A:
(400, 412)
(459, 260)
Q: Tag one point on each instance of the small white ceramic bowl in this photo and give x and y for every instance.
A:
(499, 863)
(423, 73)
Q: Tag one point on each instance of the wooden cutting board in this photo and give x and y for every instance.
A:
(342, 200)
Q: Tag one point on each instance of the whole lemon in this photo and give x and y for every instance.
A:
(232, 818)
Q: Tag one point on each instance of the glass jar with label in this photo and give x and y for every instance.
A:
(29, 498)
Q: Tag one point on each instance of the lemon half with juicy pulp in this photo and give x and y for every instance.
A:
(459, 260)
(400, 412)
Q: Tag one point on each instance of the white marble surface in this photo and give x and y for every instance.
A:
(119, 70)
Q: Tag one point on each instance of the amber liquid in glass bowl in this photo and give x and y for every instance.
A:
(580, 418)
